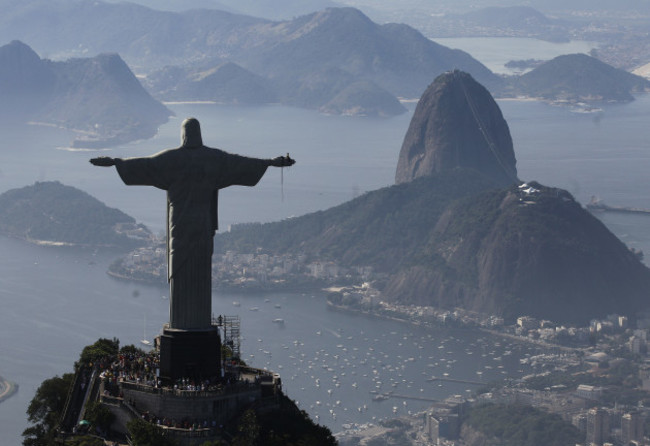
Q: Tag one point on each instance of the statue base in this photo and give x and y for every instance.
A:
(193, 354)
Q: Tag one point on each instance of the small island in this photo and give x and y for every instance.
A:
(577, 78)
(52, 214)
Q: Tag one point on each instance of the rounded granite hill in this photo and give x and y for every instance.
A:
(456, 124)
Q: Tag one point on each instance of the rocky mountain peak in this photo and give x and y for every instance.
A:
(456, 124)
(24, 79)
(17, 51)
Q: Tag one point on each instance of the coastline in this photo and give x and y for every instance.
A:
(7, 389)
(233, 288)
(528, 340)
(372, 314)
(597, 206)
(58, 244)
(509, 336)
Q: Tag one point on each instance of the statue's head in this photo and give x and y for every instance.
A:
(191, 133)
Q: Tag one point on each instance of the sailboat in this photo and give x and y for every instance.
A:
(144, 339)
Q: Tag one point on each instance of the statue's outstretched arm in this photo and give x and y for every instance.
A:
(104, 161)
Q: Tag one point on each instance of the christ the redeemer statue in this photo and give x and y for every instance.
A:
(192, 175)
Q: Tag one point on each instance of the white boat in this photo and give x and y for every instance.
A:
(278, 321)
(144, 339)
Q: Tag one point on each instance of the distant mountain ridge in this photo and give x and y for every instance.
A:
(495, 21)
(396, 57)
(336, 60)
(354, 58)
(98, 97)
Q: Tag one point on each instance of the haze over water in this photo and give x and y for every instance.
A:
(57, 301)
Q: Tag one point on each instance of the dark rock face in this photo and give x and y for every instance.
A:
(457, 123)
(526, 250)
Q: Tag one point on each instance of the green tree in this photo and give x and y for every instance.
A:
(45, 410)
(518, 425)
(99, 416)
(99, 350)
(248, 430)
(85, 440)
(290, 426)
(131, 350)
(143, 433)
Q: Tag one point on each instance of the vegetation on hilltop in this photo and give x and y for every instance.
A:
(101, 349)
(518, 425)
(54, 213)
(45, 410)
(383, 228)
(286, 426)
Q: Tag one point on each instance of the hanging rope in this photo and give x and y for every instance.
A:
(282, 179)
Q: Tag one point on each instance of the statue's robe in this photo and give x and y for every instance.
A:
(192, 177)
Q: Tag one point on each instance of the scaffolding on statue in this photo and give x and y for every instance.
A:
(231, 326)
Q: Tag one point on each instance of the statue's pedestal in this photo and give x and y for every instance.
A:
(194, 354)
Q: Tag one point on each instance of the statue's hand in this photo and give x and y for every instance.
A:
(104, 161)
(283, 161)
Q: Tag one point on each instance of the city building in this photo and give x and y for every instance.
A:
(632, 428)
(580, 421)
(589, 392)
(527, 322)
(442, 426)
(598, 426)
